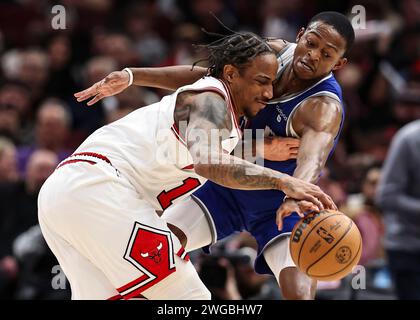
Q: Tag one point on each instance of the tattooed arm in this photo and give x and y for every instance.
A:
(208, 111)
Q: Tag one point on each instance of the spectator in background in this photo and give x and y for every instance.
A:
(282, 19)
(119, 47)
(399, 197)
(34, 72)
(218, 275)
(18, 199)
(368, 218)
(8, 274)
(18, 212)
(51, 132)
(241, 251)
(87, 120)
(36, 263)
(251, 285)
(61, 82)
(185, 36)
(15, 110)
(8, 161)
(407, 104)
(332, 187)
(229, 271)
(197, 12)
(141, 23)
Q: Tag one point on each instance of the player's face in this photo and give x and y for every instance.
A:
(252, 88)
(319, 51)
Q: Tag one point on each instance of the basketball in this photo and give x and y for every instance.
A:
(326, 245)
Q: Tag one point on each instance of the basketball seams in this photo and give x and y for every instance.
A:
(338, 241)
(329, 275)
(313, 228)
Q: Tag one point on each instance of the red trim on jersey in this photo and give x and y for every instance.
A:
(189, 167)
(211, 89)
(120, 297)
(92, 154)
(135, 293)
(132, 283)
(175, 130)
(183, 254)
(75, 160)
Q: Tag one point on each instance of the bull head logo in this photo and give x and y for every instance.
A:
(153, 253)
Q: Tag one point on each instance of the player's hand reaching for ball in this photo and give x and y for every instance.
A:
(300, 190)
(291, 205)
(111, 85)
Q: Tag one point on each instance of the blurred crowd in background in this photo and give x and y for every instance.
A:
(41, 123)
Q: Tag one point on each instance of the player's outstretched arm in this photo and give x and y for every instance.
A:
(207, 113)
(169, 78)
(317, 122)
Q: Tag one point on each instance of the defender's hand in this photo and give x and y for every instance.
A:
(280, 149)
(111, 85)
(301, 190)
(291, 205)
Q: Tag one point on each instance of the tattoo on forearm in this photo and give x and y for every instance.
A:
(244, 175)
(209, 112)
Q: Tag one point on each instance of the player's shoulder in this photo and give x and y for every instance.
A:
(207, 99)
(409, 131)
(205, 88)
(327, 90)
(207, 81)
(321, 103)
(321, 113)
(279, 45)
(206, 84)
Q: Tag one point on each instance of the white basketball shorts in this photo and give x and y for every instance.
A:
(109, 242)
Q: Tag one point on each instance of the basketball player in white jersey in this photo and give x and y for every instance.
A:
(97, 211)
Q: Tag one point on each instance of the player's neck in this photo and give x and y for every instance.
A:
(237, 110)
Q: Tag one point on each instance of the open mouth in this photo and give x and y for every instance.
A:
(307, 66)
(263, 103)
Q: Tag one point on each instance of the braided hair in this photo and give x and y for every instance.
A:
(237, 49)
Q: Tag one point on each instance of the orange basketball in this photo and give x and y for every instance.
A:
(326, 245)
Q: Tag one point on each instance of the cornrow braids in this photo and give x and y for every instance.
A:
(237, 49)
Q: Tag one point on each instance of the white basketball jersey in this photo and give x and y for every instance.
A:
(146, 147)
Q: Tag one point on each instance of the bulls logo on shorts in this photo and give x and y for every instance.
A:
(151, 251)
